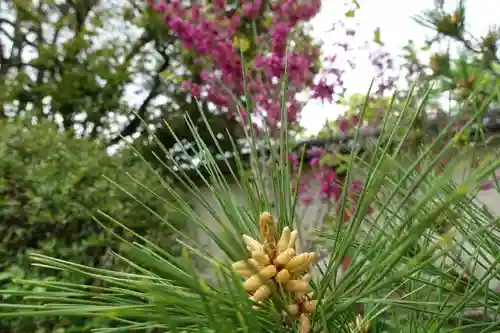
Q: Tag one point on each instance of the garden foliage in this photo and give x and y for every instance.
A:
(50, 186)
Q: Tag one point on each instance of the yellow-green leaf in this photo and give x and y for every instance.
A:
(169, 76)
(376, 37)
(267, 21)
(350, 13)
(463, 189)
(241, 43)
(204, 285)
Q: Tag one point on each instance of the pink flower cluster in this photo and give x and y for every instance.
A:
(330, 182)
(329, 185)
(210, 33)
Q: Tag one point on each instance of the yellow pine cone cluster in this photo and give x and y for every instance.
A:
(274, 264)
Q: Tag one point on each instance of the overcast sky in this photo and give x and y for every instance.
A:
(397, 27)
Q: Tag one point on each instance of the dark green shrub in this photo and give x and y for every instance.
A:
(50, 185)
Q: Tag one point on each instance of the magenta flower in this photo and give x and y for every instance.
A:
(307, 199)
(251, 9)
(342, 125)
(323, 90)
(279, 37)
(314, 162)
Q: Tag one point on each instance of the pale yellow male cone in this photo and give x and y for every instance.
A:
(268, 272)
(297, 261)
(257, 280)
(293, 309)
(261, 294)
(252, 244)
(246, 264)
(283, 276)
(253, 283)
(304, 324)
(244, 272)
(305, 264)
(310, 306)
(274, 264)
(284, 240)
(261, 258)
(283, 258)
(297, 286)
(268, 234)
(361, 324)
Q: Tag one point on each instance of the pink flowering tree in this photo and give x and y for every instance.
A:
(261, 37)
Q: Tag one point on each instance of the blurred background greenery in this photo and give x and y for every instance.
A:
(50, 186)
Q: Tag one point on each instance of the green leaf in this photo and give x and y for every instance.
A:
(350, 13)
(5, 276)
(376, 37)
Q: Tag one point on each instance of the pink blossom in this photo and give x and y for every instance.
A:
(354, 120)
(251, 9)
(210, 33)
(346, 262)
(323, 90)
(161, 6)
(279, 37)
(342, 125)
(314, 162)
(219, 4)
(487, 185)
(315, 152)
(329, 188)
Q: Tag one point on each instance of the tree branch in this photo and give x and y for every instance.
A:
(133, 125)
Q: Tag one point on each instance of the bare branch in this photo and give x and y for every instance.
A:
(132, 126)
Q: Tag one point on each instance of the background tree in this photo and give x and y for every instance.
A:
(463, 67)
(76, 63)
(60, 65)
(114, 70)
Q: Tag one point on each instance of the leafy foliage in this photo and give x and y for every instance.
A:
(472, 73)
(50, 186)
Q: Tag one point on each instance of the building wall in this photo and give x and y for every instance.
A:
(311, 214)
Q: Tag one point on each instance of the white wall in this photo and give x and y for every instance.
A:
(311, 215)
